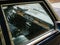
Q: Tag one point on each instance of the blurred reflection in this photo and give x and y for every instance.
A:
(27, 21)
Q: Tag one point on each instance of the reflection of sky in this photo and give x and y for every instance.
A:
(37, 11)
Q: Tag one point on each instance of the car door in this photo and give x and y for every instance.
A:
(27, 23)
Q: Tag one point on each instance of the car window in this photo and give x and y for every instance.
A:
(27, 21)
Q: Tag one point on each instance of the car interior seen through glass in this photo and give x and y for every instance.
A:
(26, 21)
